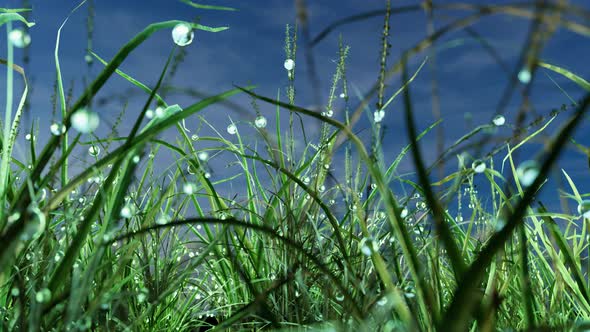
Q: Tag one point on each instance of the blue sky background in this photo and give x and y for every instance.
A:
(251, 51)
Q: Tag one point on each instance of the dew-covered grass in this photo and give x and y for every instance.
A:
(331, 235)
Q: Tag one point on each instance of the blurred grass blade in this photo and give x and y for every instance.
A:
(199, 6)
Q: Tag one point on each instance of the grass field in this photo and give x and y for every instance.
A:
(123, 245)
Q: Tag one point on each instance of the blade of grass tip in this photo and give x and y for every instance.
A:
(92, 89)
(566, 252)
(10, 132)
(457, 313)
(442, 228)
(86, 224)
(61, 93)
(573, 77)
(9, 16)
(199, 6)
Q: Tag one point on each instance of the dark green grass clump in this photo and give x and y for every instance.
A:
(329, 235)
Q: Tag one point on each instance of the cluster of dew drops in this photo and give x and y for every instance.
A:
(527, 171)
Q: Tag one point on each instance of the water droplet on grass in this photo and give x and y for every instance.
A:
(203, 156)
(183, 34)
(404, 213)
(189, 188)
(127, 211)
(163, 219)
(478, 166)
(94, 150)
(142, 295)
(160, 112)
(85, 121)
(499, 120)
(88, 58)
(35, 225)
(57, 129)
(260, 122)
(149, 114)
(136, 159)
(342, 95)
(289, 64)
(28, 137)
(368, 246)
(524, 76)
(232, 129)
(584, 209)
(378, 115)
(19, 38)
(339, 297)
(43, 296)
(195, 137)
(527, 172)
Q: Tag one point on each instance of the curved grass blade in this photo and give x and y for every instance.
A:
(575, 78)
(199, 6)
(443, 230)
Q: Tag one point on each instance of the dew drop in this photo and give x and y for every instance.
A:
(88, 58)
(43, 296)
(127, 211)
(329, 113)
(163, 219)
(15, 292)
(28, 137)
(368, 246)
(306, 180)
(584, 209)
(183, 34)
(19, 38)
(189, 188)
(94, 150)
(195, 137)
(524, 76)
(378, 115)
(339, 297)
(382, 301)
(149, 114)
(499, 120)
(57, 129)
(35, 226)
(342, 95)
(527, 172)
(159, 112)
(85, 121)
(142, 295)
(135, 159)
(289, 64)
(203, 156)
(232, 129)
(260, 122)
(478, 166)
